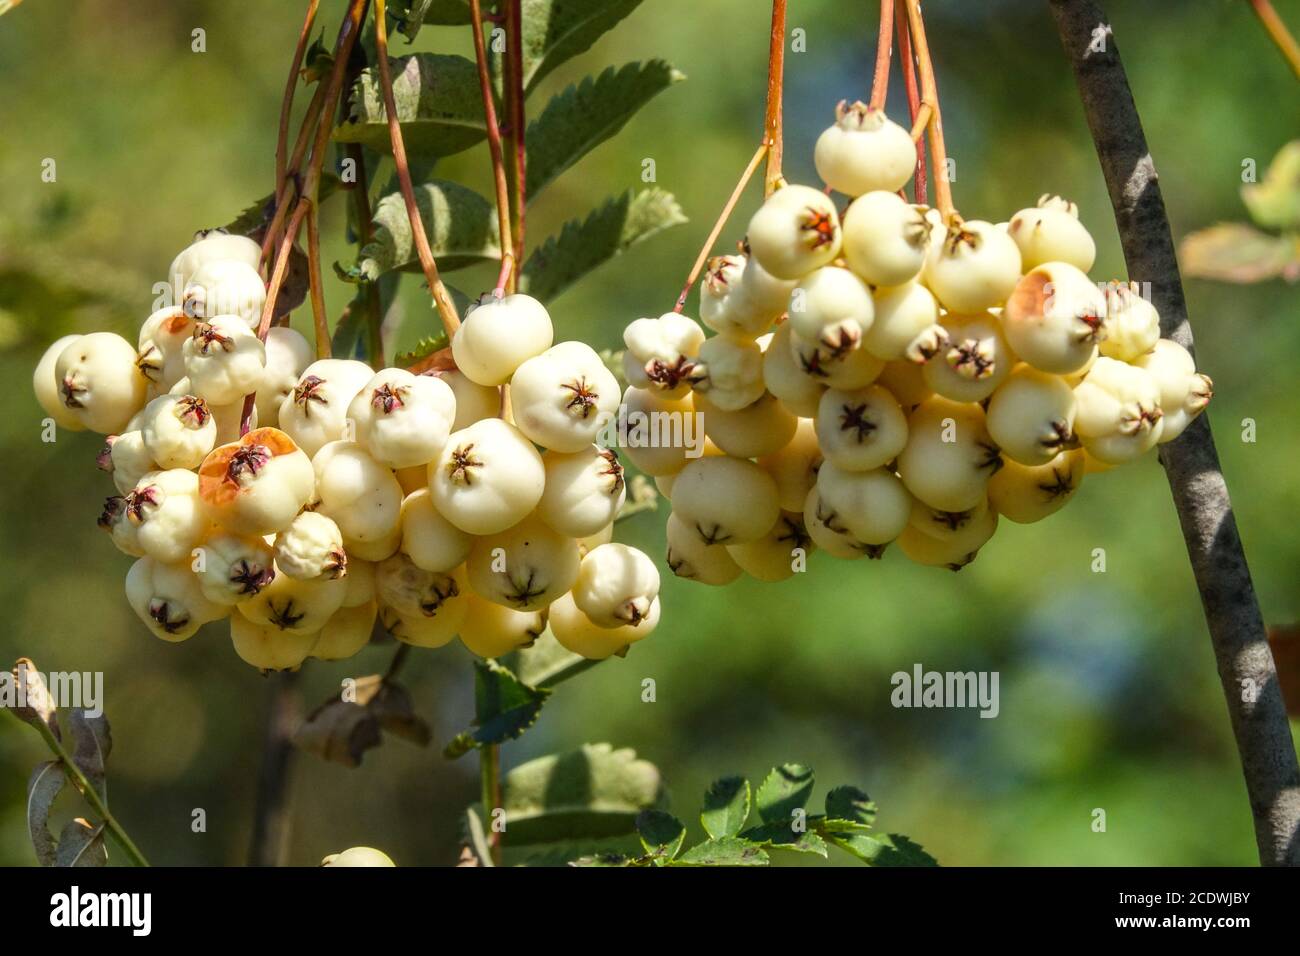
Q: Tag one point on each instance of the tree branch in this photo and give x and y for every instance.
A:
(1245, 664)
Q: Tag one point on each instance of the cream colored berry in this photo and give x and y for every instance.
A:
(232, 568)
(311, 548)
(258, 484)
(428, 539)
(651, 418)
(499, 336)
(474, 402)
(797, 391)
(974, 268)
(99, 383)
(491, 630)
(794, 232)
(292, 604)
(845, 368)
(1118, 413)
(128, 459)
(1028, 493)
(167, 598)
(1031, 416)
(860, 429)
(725, 306)
(829, 533)
(525, 568)
(779, 554)
(872, 507)
(764, 292)
(616, 585)
(864, 151)
(487, 477)
(46, 386)
(165, 516)
(1055, 318)
(209, 247)
(401, 419)
(760, 428)
(584, 490)
(661, 353)
(949, 455)
(575, 632)
(906, 382)
(346, 633)
(270, 648)
(224, 360)
(730, 371)
(288, 354)
(360, 581)
(178, 431)
(690, 558)
(562, 398)
(437, 603)
(361, 496)
(316, 411)
(833, 308)
(885, 239)
(975, 361)
(932, 551)
(794, 466)
(1051, 232)
(161, 350)
(225, 287)
(965, 530)
(603, 536)
(906, 325)
(725, 500)
(1132, 324)
(1184, 392)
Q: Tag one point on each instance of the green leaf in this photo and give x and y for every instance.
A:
(504, 706)
(586, 114)
(786, 789)
(891, 849)
(252, 219)
(1274, 202)
(779, 835)
(413, 14)
(662, 834)
(439, 106)
(460, 225)
(1236, 252)
(609, 231)
(726, 806)
(848, 808)
(422, 350)
(477, 838)
(589, 793)
(728, 851)
(45, 785)
(558, 30)
(606, 860)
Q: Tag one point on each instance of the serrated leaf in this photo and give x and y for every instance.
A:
(605, 860)
(882, 849)
(81, 844)
(558, 30)
(785, 789)
(423, 349)
(1274, 202)
(1236, 252)
(459, 224)
(413, 14)
(661, 833)
(92, 742)
(545, 659)
(438, 102)
(590, 793)
(504, 707)
(588, 113)
(729, 851)
(45, 784)
(848, 808)
(780, 835)
(257, 216)
(607, 232)
(726, 807)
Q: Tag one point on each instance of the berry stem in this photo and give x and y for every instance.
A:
(286, 106)
(489, 768)
(930, 94)
(446, 308)
(79, 780)
(772, 124)
(514, 88)
(315, 288)
(1196, 482)
(884, 48)
(1278, 32)
(283, 191)
(764, 149)
(365, 226)
(920, 187)
(506, 279)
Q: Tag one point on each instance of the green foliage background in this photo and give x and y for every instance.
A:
(1109, 696)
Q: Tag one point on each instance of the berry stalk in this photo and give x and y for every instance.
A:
(446, 308)
(920, 188)
(515, 100)
(884, 48)
(291, 85)
(930, 95)
(772, 124)
(506, 279)
(1278, 32)
(315, 288)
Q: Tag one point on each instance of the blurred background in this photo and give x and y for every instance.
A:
(1109, 697)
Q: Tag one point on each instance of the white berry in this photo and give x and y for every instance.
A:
(725, 500)
(178, 430)
(257, 484)
(864, 151)
(499, 336)
(311, 548)
(860, 429)
(526, 567)
(361, 496)
(973, 268)
(885, 239)
(99, 382)
(1119, 415)
(690, 558)
(1055, 318)
(974, 362)
(225, 287)
(906, 324)
(167, 598)
(487, 477)
(616, 585)
(401, 419)
(315, 412)
(491, 630)
(584, 490)
(1031, 416)
(795, 231)
(562, 398)
(1184, 392)
(1051, 232)
(949, 455)
(428, 539)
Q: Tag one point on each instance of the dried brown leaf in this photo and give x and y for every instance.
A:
(1236, 252)
(92, 741)
(38, 706)
(43, 788)
(81, 844)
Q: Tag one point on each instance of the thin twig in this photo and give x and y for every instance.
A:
(505, 280)
(1279, 33)
(286, 105)
(315, 289)
(920, 186)
(884, 47)
(365, 226)
(518, 124)
(88, 791)
(930, 94)
(772, 124)
(441, 298)
(1245, 663)
(271, 816)
(745, 177)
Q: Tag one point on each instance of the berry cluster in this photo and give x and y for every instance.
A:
(888, 373)
(304, 499)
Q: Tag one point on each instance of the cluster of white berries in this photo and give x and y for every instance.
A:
(885, 374)
(353, 495)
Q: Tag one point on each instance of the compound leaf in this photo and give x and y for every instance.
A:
(726, 806)
(662, 834)
(728, 851)
(786, 789)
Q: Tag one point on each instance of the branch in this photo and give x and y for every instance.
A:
(884, 47)
(773, 133)
(505, 280)
(1245, 664)
(271, 817)
(286, 105)
(514, 89)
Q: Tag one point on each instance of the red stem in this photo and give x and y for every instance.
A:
(920, 188)
(515, 98)
(772, 124)
(884, 47)
(505, 280)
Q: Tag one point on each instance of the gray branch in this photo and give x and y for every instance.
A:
(1246, 670)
